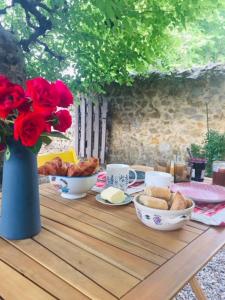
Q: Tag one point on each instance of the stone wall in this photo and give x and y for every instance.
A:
(161, 115)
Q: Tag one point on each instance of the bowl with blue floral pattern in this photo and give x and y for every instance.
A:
(162, 219)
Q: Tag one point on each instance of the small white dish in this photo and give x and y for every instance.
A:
(127, 200)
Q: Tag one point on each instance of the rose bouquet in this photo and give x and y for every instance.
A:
(35, 114)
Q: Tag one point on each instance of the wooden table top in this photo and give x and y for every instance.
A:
(89, 251)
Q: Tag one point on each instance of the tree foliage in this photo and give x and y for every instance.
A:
(91, 43)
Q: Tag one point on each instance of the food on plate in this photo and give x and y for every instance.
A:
(113, 195)
(153, 202)
(158, 192)
(178, 202)
(57, 167)
(164, 200)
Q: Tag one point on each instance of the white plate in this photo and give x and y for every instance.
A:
(127, 200)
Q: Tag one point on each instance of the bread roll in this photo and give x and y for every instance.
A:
(158, 192)
(170, 202)
(189, 202)
(153, 202)
(179, 202)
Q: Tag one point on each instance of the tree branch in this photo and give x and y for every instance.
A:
(51, 52)
(29, 21)
(43, 23)
(38, 18)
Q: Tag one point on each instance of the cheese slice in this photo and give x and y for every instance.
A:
(113, 195)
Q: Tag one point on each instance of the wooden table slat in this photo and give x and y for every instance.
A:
(103, 231)
(90, 251)
(88, 264)
(159, 238)
(37, 273)
(90, 208)
(62, 269)
(166, 281)
(127, 262)
(15, 286)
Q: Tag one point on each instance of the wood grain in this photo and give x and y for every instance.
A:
(165, 282)
(102, 231)
(82, 127)
(101, 272)
(62, 269)
(159, 238)
(200, 295)
(132, 264)
(89, 129)
(37, 273)
(76, 128)
(89, 251)
(104, 110)
(119, 216)
(95, 151)
(15, 286)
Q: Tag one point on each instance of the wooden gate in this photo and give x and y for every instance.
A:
(90, 127)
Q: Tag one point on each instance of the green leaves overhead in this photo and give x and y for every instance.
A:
(104, 41)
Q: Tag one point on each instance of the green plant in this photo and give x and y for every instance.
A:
(213, 148)
(92, 43)
(197, 151)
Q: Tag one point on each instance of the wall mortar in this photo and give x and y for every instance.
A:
(161, 115)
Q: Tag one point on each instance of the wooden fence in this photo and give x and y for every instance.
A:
(90, 128)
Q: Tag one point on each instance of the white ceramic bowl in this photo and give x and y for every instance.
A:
(73, 187)
(162, 219)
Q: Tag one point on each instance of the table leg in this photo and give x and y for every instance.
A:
(200, 295)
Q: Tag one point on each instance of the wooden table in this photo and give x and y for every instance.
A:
(88, 251)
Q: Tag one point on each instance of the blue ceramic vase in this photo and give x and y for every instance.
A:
(20, 214)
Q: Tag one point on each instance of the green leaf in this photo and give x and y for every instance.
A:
(99, 40)
(56, 134)
(7, 153)
(46, 140)
(36, 148)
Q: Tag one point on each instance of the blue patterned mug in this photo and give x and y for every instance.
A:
(118, 176)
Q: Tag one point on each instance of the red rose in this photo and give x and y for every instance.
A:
(12, 97)
(43, 94)
(28, 128)
(64, 120)
(18, 99)
(65, 95)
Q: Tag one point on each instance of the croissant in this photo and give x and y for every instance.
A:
(57, 167)
(84, 168)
